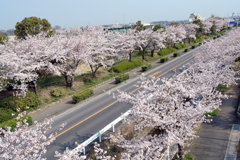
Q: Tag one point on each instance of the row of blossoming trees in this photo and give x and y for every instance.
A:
(61, 54)
(175, 107)
(169, 109)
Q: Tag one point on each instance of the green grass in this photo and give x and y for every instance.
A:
(222, 87)
(188, 157)
(214, 113)
(100, 80)
(50, 81)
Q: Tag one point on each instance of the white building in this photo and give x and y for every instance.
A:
(145, 24)
(193, 15)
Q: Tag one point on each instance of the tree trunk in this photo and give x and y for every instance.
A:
(35, 88)
(143, 51)
(189, 41)
(180, 152)
(68, 81)
(152, 53)
(130, 57)
(94, 71)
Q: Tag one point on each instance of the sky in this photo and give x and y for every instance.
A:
(80, 13)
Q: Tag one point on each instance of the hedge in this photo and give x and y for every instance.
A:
(30, 100)
(194, 46)
(164, 59)
(122, 78)
(171, 49)
(166, 51)
(176, 54)
(127, 65)
(197, 40)
(183, 45)
(78, 97)
(146, 67)
(178, 46)
(57, 92)
(186, 50)
(12, 123)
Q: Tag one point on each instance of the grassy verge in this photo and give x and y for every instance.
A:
(213, 113)
(222, 87)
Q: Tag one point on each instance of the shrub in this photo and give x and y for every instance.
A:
(30, 100)
(171, 49)
(78, 97)
(12, 122)
(183, 45)
(166, 51)
(164, 59)
(146, 67)
(194, 46)
(127, 65)
(197, 40)
(122, 78)
(8, 103)
(137, 62)
(6, 114)
(176, 54)
(57, 92)
(214, 37)
(178, 46)
(200, 44)
(186, 50)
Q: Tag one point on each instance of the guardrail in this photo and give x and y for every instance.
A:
(170, 152)
(99, 133)
(111, 125)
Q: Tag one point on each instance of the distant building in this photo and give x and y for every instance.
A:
(193, 15)
(11, 38)
(145, 24)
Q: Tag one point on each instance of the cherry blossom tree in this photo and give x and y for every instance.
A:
(26, 143)
(190, 30)
(124, 43)
(156, 41)
(175, 33)
(22, 59)
(100, 52)
(143, 40)
(173, 107)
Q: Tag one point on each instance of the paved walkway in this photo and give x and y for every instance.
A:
(214, 137)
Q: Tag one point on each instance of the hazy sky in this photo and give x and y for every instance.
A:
(78, 13)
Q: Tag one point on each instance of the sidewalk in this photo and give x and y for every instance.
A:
(214, 137)
(63, 105)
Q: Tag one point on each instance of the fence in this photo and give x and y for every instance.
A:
(99, 133)
(171, 150)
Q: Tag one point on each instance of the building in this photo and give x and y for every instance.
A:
(193, 15)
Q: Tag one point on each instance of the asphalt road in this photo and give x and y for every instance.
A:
(88, 118)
